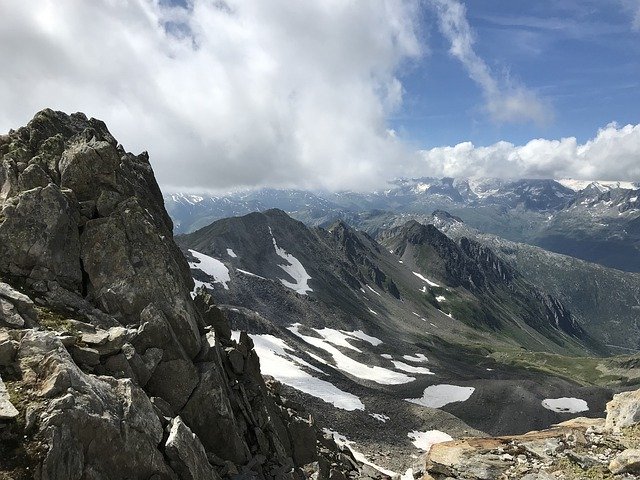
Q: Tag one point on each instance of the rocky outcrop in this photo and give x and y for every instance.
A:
(473, 266)
(623, 410)
(7, 410)
(578, 448)
(109, 368)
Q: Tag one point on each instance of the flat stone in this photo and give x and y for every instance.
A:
(7, 410)
(9, 315)
(86, 356)
(98, 338)
(22, 303)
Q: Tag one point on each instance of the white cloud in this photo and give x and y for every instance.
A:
(222, 94)
(505, 102)
(613, 154)
(636, 14)
(633, 8)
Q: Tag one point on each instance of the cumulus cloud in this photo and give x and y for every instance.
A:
(505, 102)
(613, 154)
(223, 94)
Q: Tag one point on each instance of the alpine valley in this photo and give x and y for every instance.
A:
(439, 329)
(484, 299)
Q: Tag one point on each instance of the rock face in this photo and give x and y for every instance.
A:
(110, 369)
(623, 410)
(475, 267)
(577, 448)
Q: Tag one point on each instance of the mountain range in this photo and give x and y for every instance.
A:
(363, 343)
(374, 326)
(594, 221)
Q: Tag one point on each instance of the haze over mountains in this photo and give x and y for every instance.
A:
(595, 221)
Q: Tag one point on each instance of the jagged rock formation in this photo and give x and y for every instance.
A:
(109, 368)
(595, 448)
(476, 268)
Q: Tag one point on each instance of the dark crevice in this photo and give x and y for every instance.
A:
(84, 285)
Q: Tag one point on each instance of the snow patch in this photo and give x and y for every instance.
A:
(276, 360)
(425, 440)
(418, 357)
(373, 290)
(212, 267)
(364, 337)
(244, 272)
(436, 396)
(337, 338)
(294, 269)
(425, 279)
(410, 368)
(440, 298)
(348, 365)
(380, 417)
(565, 405)
(344, 442)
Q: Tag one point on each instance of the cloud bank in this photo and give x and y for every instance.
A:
(505, 102)
(249, 93)
(613, 154)
(223, 94)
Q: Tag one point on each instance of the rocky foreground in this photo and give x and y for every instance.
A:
(581, 448)
(111, 367)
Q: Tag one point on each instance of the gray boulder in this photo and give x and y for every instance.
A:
(627, 461)
(39, 237)
(8, 349)
(186, 454)
(210, 415)
(7, 410)
(95, 427)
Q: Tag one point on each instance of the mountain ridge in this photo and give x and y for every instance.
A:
(599, 222)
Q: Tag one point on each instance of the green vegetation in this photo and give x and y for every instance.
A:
(583, 370)
(19, 452)
(573, 470)
(56, 321)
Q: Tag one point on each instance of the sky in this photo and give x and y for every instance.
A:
(337, 94)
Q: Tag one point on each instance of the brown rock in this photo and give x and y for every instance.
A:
(626, 462)
(623, 410)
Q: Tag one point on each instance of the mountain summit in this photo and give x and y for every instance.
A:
(108, 368)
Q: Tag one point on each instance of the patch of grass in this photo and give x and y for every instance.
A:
(20, 453)
(573, 470)
(56, 321)
(583, 370)
(631, 436)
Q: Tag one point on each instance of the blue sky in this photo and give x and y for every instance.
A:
(337, 94)
(582, 57)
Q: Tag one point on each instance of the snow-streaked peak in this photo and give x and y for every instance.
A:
(602, 185)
